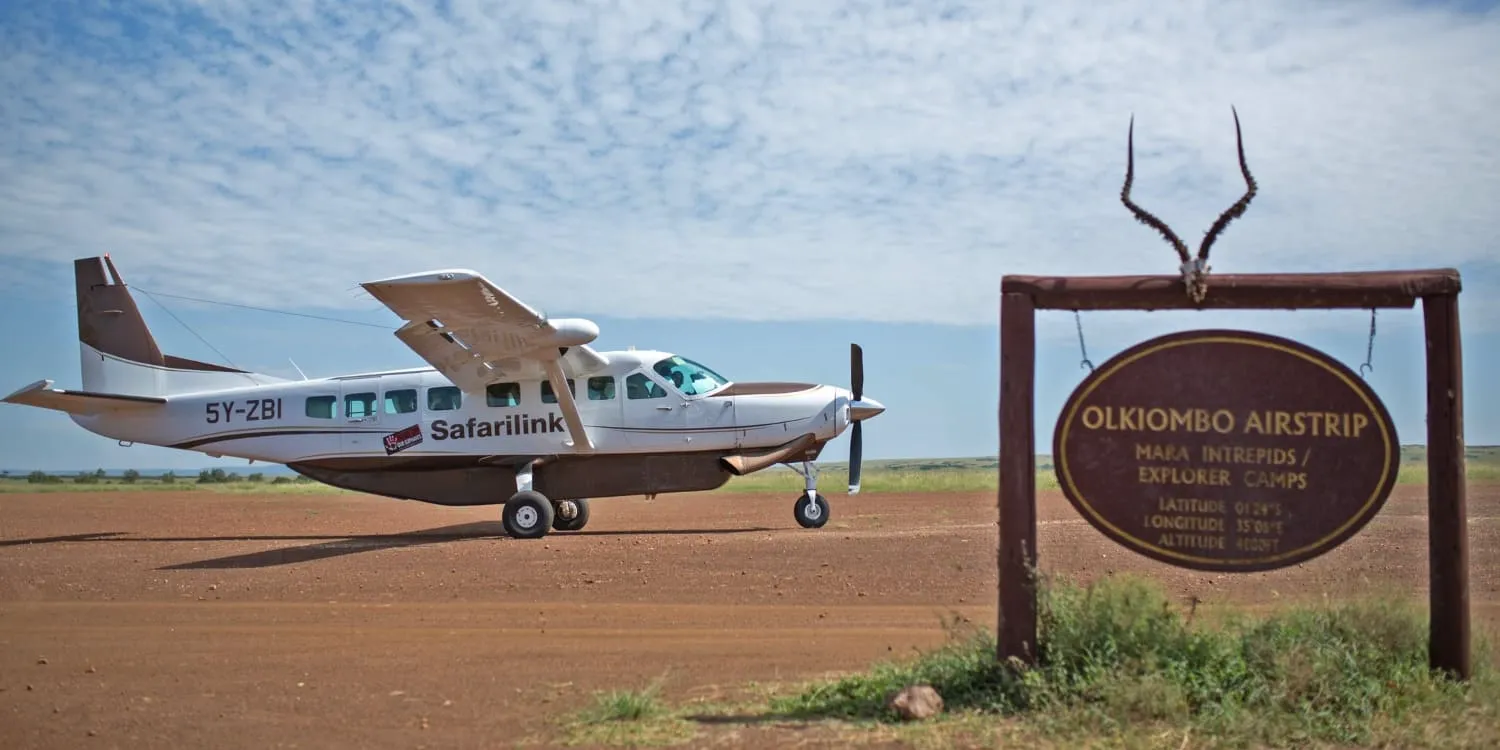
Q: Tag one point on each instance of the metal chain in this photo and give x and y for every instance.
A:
(1369, 348)
(1078, 321)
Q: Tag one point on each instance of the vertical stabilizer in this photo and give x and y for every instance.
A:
(119, 354)
(108, 320)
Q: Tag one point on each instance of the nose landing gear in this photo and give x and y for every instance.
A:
(811, 510)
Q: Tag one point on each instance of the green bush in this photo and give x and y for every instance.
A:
(1116, 653)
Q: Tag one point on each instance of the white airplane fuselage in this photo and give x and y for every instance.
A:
(346, 419)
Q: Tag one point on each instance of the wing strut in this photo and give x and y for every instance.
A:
(559, 380)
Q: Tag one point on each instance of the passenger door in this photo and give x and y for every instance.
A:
(361, 415)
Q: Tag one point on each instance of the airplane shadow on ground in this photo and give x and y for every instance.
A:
(328, 546)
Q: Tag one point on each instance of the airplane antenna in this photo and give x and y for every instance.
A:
(263, 309)
(298, 369)
(188, 327)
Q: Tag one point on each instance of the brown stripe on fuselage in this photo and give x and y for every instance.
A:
(766, 388)
(250, 434)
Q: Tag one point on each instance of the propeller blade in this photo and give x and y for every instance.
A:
(856, 451)
(857, 371)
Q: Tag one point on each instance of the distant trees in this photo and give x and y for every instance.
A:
(216, 476)
(90, 478)
(134, 476)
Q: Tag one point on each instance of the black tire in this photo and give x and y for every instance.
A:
(576, 522)
(527, 515)
(809, 514)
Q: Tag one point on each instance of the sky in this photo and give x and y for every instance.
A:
(753, 185)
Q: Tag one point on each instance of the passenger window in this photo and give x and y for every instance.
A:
(503, 394)
(640, 386)
(359, 405)
(444, 398)
(403, 401)
(601, 388)
(322, 407)
(549, 397)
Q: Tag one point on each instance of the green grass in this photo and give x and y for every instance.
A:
(905, 475)
(627, 717)
(626, 705)
(1121, 666)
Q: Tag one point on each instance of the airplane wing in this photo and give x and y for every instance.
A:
(476, 333)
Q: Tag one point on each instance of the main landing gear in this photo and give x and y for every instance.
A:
(811, 510)
(529, 514)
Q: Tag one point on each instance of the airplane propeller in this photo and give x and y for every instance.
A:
(856, 437)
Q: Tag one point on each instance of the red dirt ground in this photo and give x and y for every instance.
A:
(193, 619)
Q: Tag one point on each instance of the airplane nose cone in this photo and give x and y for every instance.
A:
(864, 409)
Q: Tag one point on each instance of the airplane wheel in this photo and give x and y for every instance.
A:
(527, 515)
(811, 515)
(579, 519)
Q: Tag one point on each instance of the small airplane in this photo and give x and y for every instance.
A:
(516, 408)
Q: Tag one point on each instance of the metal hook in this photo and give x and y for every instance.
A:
(1078, 321)
(1369, 348)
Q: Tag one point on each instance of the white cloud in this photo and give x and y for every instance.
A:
(746, 160)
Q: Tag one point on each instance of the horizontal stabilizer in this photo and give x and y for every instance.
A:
(749, 463)
(42, 394)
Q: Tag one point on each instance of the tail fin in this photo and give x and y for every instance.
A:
(118, 353)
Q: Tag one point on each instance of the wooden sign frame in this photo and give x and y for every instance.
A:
(1449, 647)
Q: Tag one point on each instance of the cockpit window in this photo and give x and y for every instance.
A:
(688, 376)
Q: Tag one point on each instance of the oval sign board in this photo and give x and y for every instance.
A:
(1226, 450)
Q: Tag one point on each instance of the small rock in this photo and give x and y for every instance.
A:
(41, 660)
(916, 702)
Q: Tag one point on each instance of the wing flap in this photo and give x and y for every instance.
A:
(41, 394)
(460, 364)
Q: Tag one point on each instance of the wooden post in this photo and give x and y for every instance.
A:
(1447, 512)
(1017, 496)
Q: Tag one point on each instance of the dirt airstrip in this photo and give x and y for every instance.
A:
(195, 619)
